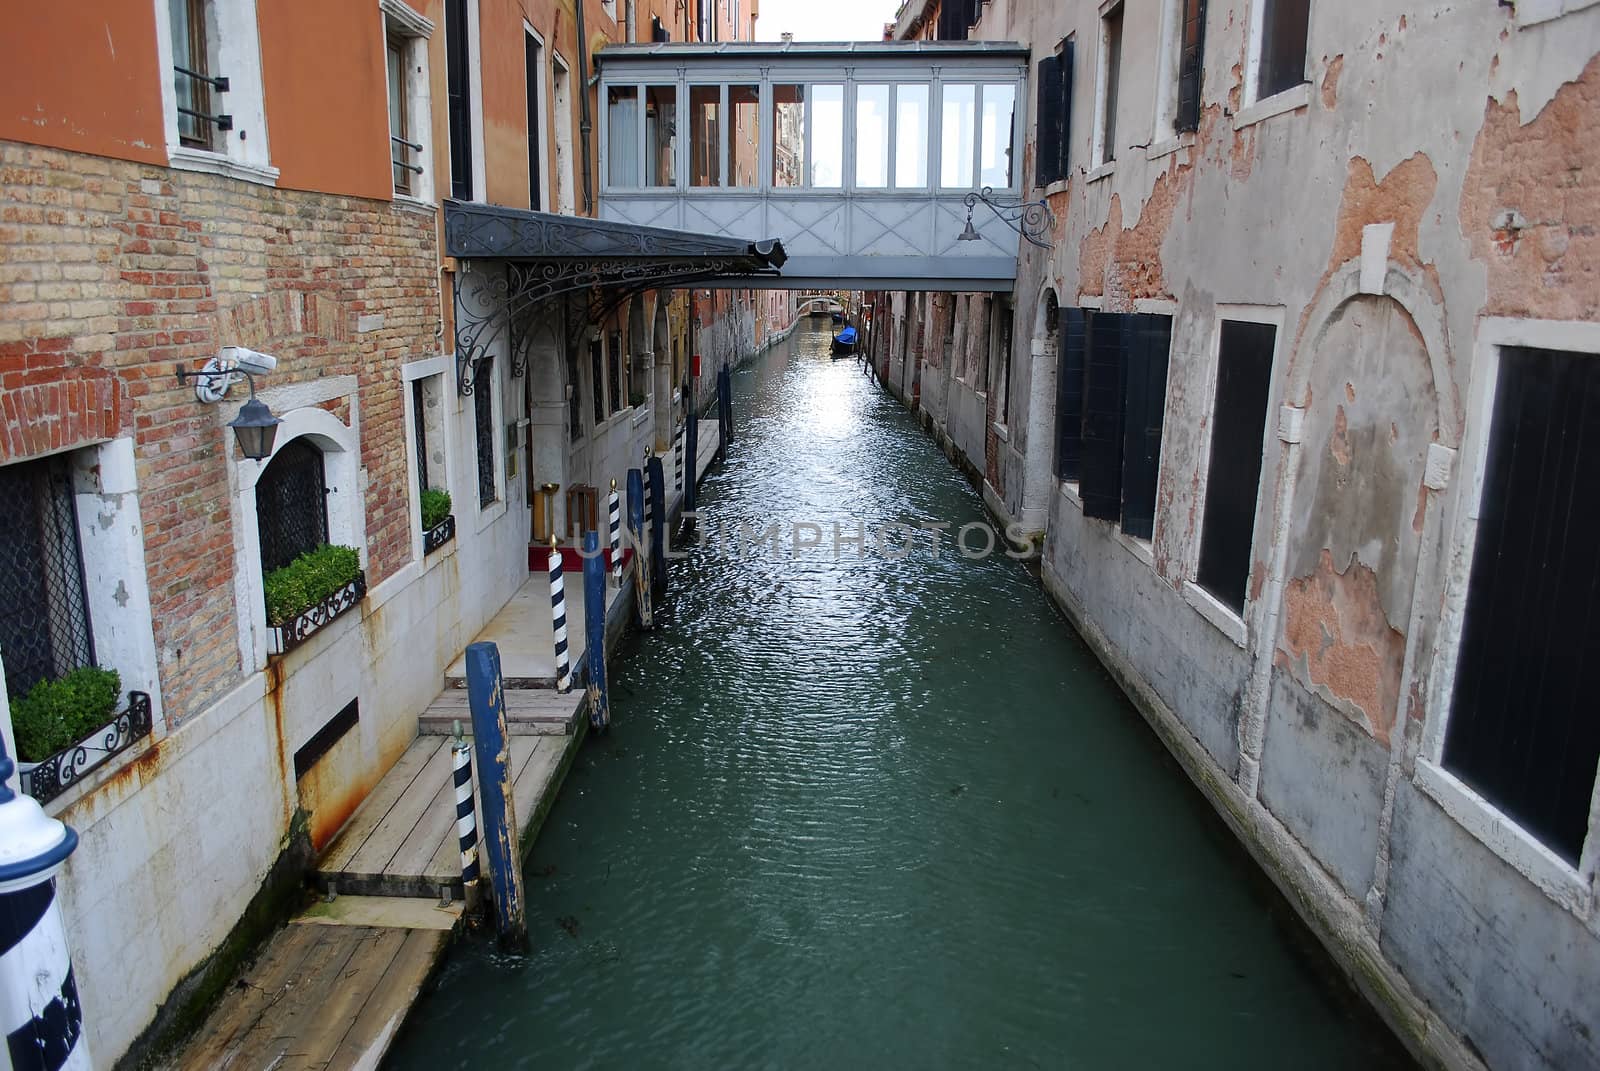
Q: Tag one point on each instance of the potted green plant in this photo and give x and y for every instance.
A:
(55, 715)
(438, 525)
(311, 591)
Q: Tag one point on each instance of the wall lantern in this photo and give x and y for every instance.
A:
(1031, 219)
(254, 426)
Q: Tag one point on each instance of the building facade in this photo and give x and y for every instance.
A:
(1294, 393)
(186, 181)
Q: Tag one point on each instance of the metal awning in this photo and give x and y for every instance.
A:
(514, 261)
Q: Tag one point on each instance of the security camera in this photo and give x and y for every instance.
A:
(248, 360)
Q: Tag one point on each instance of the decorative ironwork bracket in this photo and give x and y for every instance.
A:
(511, 299)
(1031, 219)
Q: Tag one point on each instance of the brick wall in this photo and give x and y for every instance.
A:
(113, 273)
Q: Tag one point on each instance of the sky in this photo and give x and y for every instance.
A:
(825, 20)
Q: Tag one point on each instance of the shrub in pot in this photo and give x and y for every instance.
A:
(306, 581)
(435, 508)
(57, 714)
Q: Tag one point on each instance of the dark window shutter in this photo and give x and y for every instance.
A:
(1065, 74)
(1100, 480)
(1146, 340)
(459, 86)
(530, 49)
(1191, 61)
(1047, 133)
(1523, 730)
(1238, 421)
(1069, 395)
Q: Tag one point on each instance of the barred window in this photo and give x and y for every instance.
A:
(291, 504)
(44, 631)
(574, 400)
(419, 412)
(483, 417)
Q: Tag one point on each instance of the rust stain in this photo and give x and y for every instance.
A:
(1339, 444)
(1258, 579)
(1330, 81)
(1530, 203)
(1336, 636)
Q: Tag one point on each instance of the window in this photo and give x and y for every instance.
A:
(995, 145)
(458, 65)
(1111, 403)
(574, 397)
(406, 54)
(44, 632)
(827, 136)
(597, 381)
(1191, 63)
(1004, 319)
(419, 417)
(661, 135)
(872, 136)
(622, 136)
(533, 72)
(1522, 730)
(615, 387)
(483, 430)
(958, 110)
(1054, 117)
(911, 136)
(191, 71)
(1233, 475)
(788, 135)
(561, 108)
(705, 149)
(1110, 76)
(1281, 45)
(744, 135)
(291, 504)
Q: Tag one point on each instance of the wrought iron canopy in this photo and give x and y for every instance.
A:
(515, 261)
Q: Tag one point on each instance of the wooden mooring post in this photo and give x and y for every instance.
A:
(491, 742)
(594, 620)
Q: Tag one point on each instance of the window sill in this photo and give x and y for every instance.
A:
(641, 413)
(487, 515)
(1505, 838)
(414, 204)
(1069, 491)
(1160, 149)
(1291, 99)
(1001, 432)
(1105, 170)
(1145, 552)
(1533, 12)
(1050, 189)
(1217, 612)
(215, 163)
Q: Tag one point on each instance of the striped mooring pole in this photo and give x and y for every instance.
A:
(594, 615)
(641, 558)
(491, 741)
(677, 465)
(466, 817)
(655, 490)
(616, 534)
(558, 618)
(39, 1011)
(649, 498)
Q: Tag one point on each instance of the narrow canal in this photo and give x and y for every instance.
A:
(860, 812)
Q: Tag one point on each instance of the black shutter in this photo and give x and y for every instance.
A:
(1069, 396)
(1065, 155)
(1191, 61)
(1100, 483)
(1146, 340)
(531, 62)
(457, 61)
(1523, 729)
(1233, 480)
(1047, 132)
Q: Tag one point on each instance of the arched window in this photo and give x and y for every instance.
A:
(291, 504)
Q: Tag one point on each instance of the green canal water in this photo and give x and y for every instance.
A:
(875, 813)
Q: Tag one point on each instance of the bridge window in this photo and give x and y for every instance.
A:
(705, 123)
(911, 136)
(622, 123)
(999, 104)
(827, 136)
(744, 141)
(872, 136)
(955, 145)
(788, 136)
(661, 135)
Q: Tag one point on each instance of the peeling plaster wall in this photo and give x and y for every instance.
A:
(1440, 168)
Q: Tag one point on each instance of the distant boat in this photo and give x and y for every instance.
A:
(838, 317)
(844, 343)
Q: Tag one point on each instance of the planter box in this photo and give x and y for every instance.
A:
(438, 535)
(281, 639)
(46, 780)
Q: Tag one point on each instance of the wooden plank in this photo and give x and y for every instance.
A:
(374, 1027)
(445, 863)
(388, 791)
(438, 726)
(319, 1030)
(398, 822)
(516, 699)
(242, 1007)
(275, 1033)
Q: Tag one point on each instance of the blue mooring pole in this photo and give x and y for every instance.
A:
(594, 621)
(641, 557)
(491, 743)
(691, 448)
(657, 476)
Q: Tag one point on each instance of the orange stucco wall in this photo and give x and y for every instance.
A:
(322, 68)
(83, 76)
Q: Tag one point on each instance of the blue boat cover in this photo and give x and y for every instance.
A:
(846, 337)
